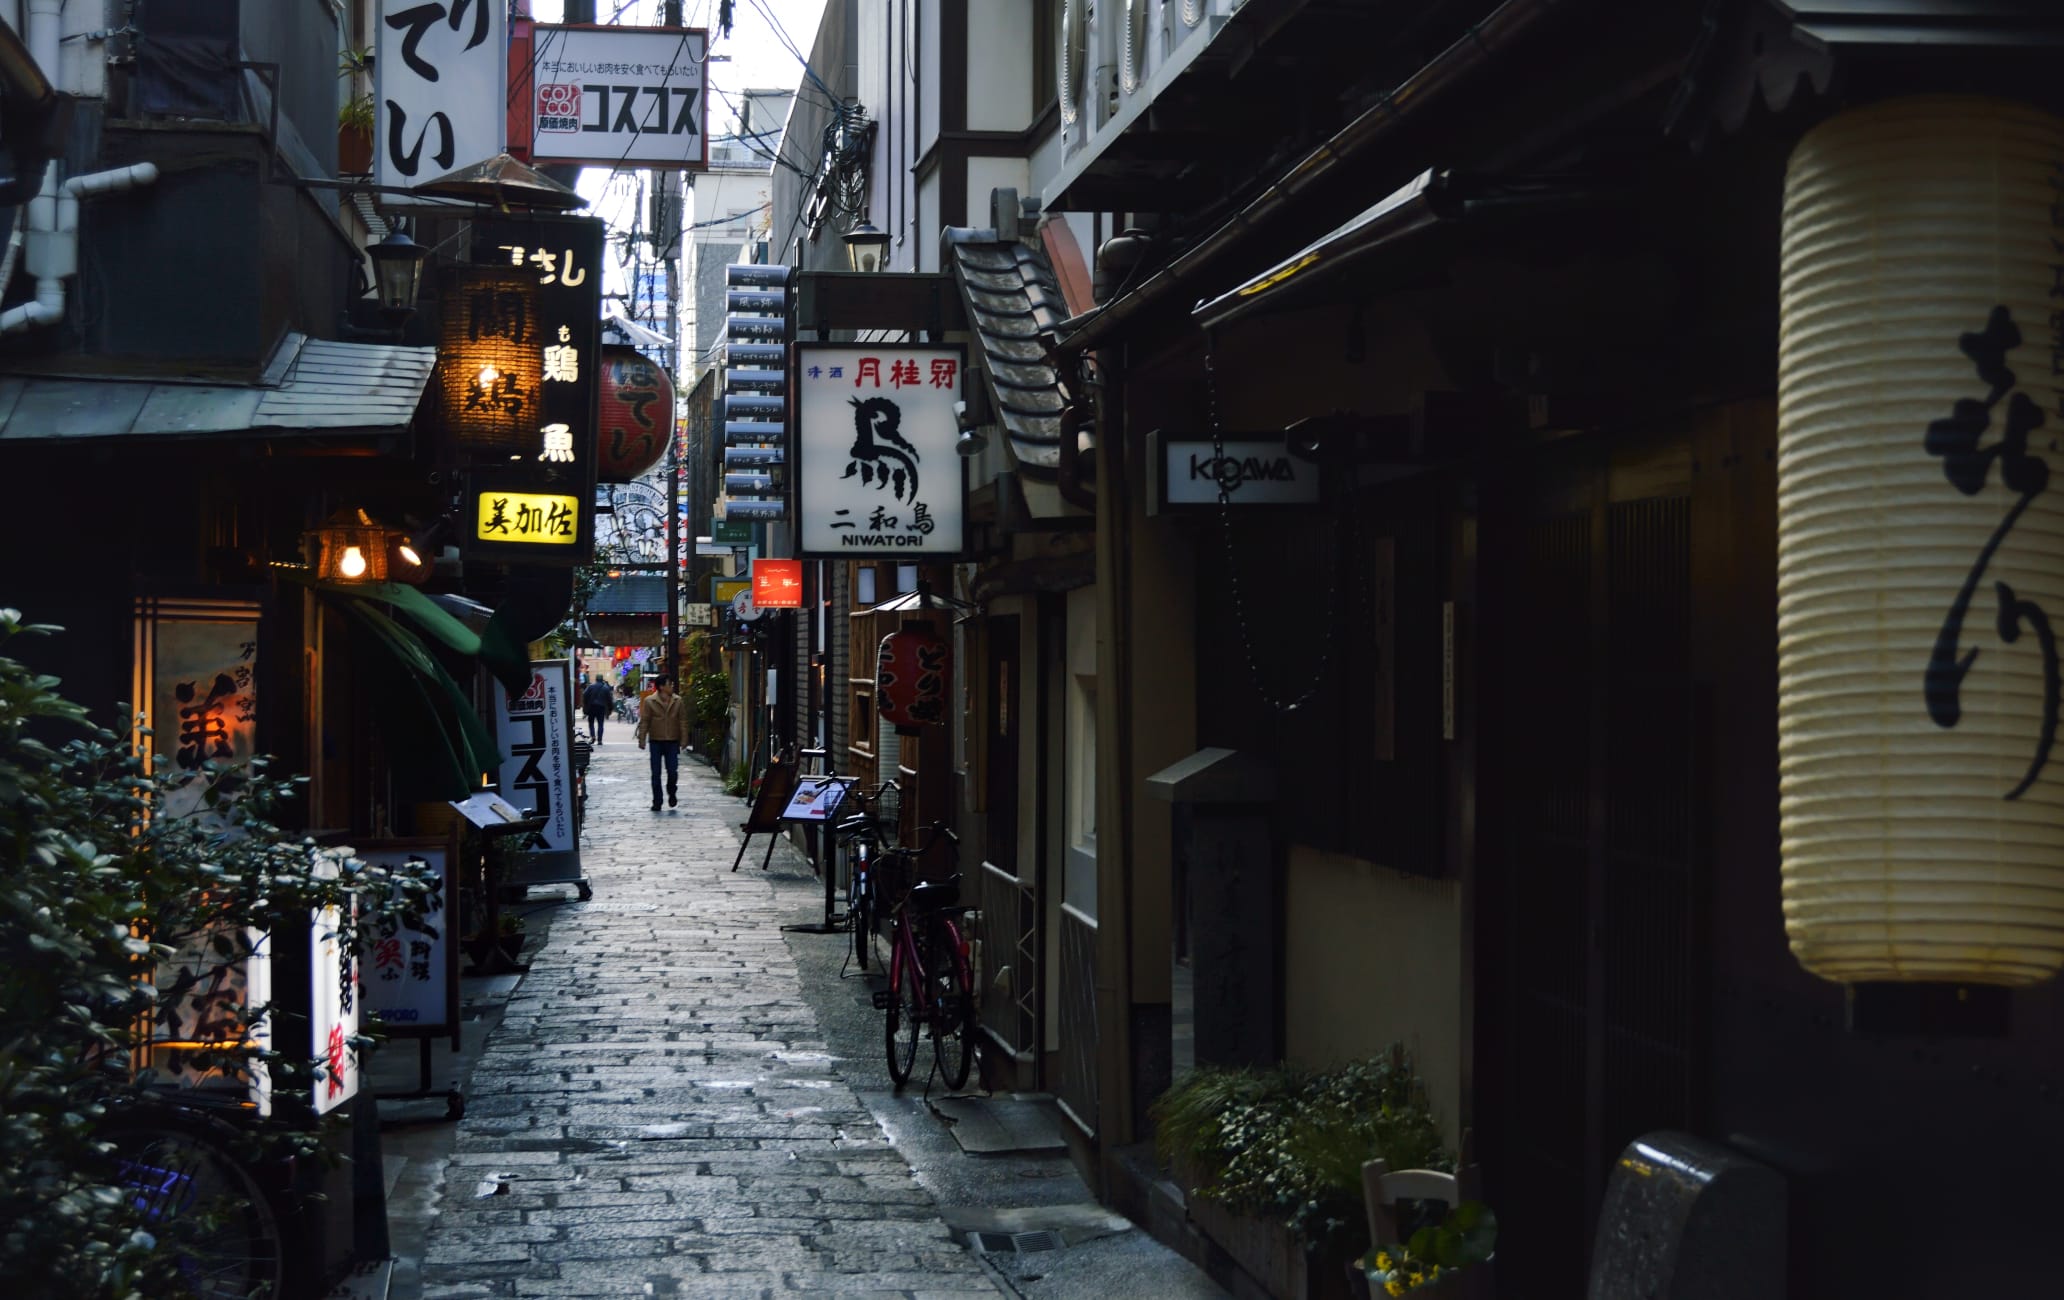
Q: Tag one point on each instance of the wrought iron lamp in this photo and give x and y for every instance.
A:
(867, 247)
(398, 273)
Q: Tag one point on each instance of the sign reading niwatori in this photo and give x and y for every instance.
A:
(877, 473)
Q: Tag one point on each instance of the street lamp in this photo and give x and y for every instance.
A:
(866, 246)
(398, 273)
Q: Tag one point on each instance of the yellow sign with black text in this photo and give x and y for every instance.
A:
(528, 517)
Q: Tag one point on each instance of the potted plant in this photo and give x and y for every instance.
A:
(1272, 1163)
(355, 119)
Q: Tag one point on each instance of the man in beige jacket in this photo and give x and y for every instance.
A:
(664, 722)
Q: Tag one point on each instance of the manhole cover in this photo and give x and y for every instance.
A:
(997, 1243)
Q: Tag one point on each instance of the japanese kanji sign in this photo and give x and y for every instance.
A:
(407, 975)
(777, 584)
(876, 470)
(527, 517)
(620, 97)
(333, 1001)
(436, 63)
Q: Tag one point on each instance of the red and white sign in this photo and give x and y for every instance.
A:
(619, 96)
(777, 584)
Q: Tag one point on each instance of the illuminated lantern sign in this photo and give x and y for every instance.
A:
(637, 410)
(490, 360)
(777, 584)
(913, 678)
(529, 486)
(527, 517)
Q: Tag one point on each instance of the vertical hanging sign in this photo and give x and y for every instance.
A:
(436, 63)
(535, 731)
(877, 473)
(755, 403)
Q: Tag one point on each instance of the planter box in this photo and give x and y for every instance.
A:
(1271, 1254)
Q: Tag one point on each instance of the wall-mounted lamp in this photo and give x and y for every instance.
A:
(398, 273)
(350, 547)
(971, 414)
(867, 248)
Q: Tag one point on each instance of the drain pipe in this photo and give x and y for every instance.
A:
(53, 238)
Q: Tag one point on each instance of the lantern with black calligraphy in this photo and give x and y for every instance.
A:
(637, 414)
(490, 361)
(1920, 537)
(913, 678)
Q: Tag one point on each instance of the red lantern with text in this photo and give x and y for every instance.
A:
(637, 414)
(913, 678)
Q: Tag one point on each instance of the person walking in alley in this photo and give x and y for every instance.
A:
(664, 722)
(596, 701)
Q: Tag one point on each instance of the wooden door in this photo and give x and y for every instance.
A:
(1590, 925)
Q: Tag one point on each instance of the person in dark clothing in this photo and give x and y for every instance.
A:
(596, 701)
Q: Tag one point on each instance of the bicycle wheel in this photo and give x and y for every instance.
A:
(204, 1206)
(953, 1009)
(906, 1016)
(860, 908)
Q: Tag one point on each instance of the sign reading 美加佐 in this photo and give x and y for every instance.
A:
(620, 96)
(527, 517)
(876, 469)
(435, 64)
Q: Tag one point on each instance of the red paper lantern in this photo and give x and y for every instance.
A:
(913, 678)
(637, 414)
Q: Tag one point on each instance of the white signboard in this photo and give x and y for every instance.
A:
(620, 96)
(208, 1001)
(1253, 472)
(442, 68)
(816, 798)
(407, 982)
(877, 470)
(698, 614)
(334, 998)
(536, 734)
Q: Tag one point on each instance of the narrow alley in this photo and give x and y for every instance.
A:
(665, 1109)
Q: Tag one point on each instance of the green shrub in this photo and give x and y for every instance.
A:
(1289, 1144)
(736, 783)
(98, 886)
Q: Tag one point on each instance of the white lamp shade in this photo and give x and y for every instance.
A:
(1922, 813)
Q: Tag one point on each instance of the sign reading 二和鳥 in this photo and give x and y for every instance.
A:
(876, 469)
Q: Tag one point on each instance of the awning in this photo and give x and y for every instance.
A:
(619, 328)
(310, 386)
(1413, 209)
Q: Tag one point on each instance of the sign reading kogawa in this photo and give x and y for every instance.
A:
(876, 471)
(1250, 471)
(436, 64)
(620, 97)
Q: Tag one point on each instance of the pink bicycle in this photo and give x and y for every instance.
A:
(931, 992)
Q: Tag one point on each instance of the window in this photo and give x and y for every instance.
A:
(1046, 36)
(863, 586)
(906, 579)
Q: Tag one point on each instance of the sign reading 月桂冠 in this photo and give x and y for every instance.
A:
(877, 473)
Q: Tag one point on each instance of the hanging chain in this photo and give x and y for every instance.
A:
(1241, 626)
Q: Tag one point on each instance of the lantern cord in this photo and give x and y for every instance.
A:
(1241, 624)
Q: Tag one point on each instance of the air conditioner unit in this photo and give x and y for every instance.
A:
(1072, 62)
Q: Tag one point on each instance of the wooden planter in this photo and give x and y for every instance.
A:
(1269, 1251)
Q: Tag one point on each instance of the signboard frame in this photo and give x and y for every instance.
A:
(555, 46)
(811, 802)
(820, 446)
(440, 853)
(468, 65)
(1162, 444)
(552, 723)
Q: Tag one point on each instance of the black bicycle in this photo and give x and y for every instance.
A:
(865, 833)
(200, 1189)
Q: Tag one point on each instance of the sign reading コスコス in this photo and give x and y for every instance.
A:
(620, 96)
(876, 472)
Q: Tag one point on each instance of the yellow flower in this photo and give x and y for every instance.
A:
(1436, 1271)
(1393, 1287)
(1383, 1260)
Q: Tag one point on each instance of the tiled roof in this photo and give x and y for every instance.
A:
(1013, 302)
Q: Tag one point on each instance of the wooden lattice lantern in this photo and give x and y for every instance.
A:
(351, 546)
(637, 414)
(490, 361)
(913, 678)
(1920, 574)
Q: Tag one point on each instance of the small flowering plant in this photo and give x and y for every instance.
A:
(1467, 1235)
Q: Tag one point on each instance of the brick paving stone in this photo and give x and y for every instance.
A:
(658, 1106)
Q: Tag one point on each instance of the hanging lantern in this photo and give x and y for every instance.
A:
(406, 562)
(490, 361)
(350, 547)
(1921, 544)
(637, 414)
(913, 678)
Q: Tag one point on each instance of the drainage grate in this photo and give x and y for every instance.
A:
(996, 1243)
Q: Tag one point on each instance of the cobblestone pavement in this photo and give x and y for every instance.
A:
(657, 1114)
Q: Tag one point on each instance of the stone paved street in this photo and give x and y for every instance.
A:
(657, 1113)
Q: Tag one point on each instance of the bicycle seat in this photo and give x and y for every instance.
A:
(854, 825)
(936, 896)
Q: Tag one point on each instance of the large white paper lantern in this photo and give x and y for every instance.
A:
(1921, 543)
